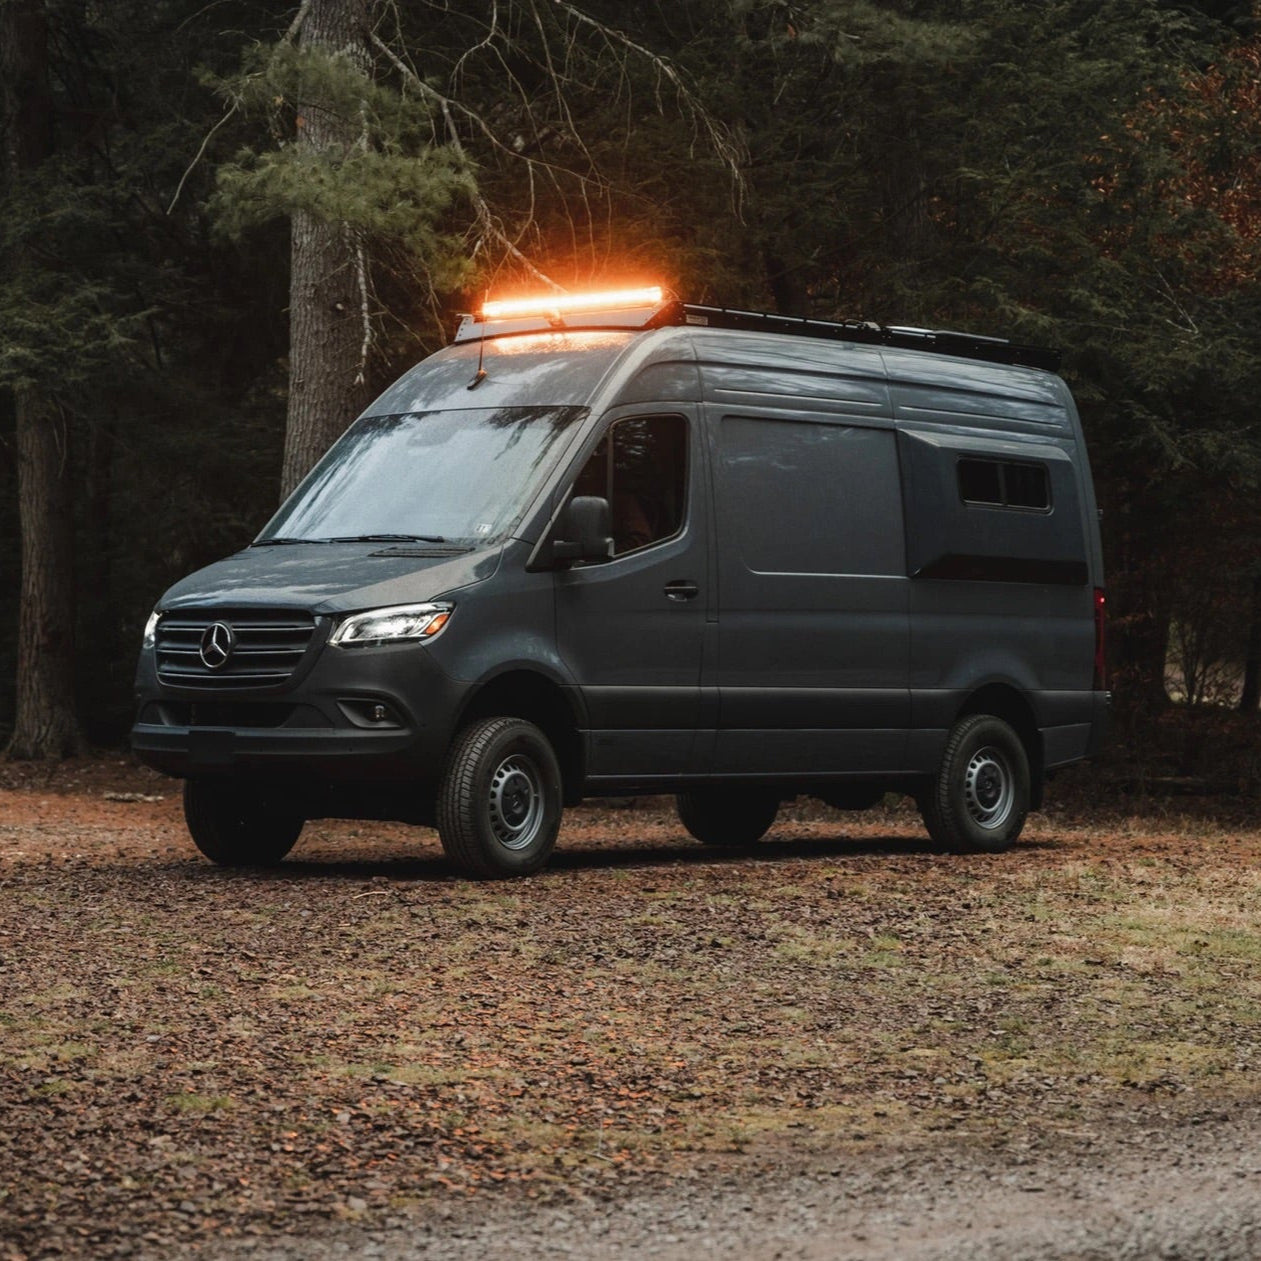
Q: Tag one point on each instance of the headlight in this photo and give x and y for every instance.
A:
(151, 629)
(402, 623)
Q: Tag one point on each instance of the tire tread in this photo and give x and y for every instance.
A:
(260, 841)
(935, 803)
(457, 801)
(725, 816)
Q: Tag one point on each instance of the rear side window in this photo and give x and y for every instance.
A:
(1004, 484)
(640, 467)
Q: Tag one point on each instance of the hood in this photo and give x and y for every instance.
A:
(330, 577)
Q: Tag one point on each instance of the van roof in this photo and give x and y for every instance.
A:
(673, 312)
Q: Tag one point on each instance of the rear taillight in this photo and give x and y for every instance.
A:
(1101, 641)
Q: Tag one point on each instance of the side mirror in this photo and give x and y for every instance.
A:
(584, 531)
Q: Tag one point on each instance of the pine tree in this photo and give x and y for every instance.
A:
(46, 724)
(397, 151)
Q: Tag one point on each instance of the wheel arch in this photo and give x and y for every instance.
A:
(1013, 707)
(528, 694)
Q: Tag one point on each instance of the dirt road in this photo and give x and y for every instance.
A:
(1144, 1188)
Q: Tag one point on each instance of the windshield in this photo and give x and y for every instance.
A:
(444, 477)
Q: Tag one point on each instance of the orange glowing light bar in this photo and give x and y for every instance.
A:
(567, 303)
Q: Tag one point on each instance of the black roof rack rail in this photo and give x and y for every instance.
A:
(937, 341)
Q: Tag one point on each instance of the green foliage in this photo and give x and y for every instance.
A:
(399, 199)
(158, 343)
(65, 317)
(392, 185)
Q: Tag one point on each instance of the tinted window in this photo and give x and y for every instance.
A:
(979, 482)
(1026, 486)
(1004, 484)
(640, 467)
(811, 498)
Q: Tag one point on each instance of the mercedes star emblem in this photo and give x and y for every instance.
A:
(217, 642)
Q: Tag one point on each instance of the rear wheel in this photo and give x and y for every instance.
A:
(728, 816)
(499, 799)
(234, 825)
(980, 797)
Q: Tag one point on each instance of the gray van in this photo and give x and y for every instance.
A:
(643, 548)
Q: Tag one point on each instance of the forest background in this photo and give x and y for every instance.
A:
(224, 226)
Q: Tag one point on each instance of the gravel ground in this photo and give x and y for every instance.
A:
(1151, 1188)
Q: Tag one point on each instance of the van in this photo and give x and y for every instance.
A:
(624, 544)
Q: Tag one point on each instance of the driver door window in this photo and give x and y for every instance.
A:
(640, 467)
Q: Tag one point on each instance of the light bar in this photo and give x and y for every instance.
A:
(569, 303)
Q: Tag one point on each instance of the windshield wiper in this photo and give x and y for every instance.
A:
(280, 541)
(387, 538)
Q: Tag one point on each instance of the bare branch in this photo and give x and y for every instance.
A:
(179, 188)
(557, 55)
(557, 78)
(719, 138)
(365, 316)
(296, 25)
(484, 216)
(486, 42)
(451, 106)
(1187, 324)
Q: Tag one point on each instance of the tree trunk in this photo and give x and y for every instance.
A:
(1250, 701)
(328, 298)
(785, 285)
(105, 680)
(45, 723)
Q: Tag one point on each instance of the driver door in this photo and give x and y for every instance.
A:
(631, 629)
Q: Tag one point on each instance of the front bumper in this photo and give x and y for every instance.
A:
(351, 715)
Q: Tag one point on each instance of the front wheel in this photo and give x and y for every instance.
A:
(728, 816)
(235, 826)
(499, 799)
(980, 797)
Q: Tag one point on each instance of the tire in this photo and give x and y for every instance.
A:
(727, 816)
(499, 799)
(979, 799)
(233, 825)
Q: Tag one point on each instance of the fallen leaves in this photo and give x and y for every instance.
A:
(186, 1052)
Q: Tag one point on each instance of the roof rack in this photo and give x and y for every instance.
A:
(671, 311)
(864, 332)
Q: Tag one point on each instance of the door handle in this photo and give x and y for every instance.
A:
(681, 589)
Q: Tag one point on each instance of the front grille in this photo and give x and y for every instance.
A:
(266, 647)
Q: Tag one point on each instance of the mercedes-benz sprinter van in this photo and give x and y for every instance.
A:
(630, 545)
